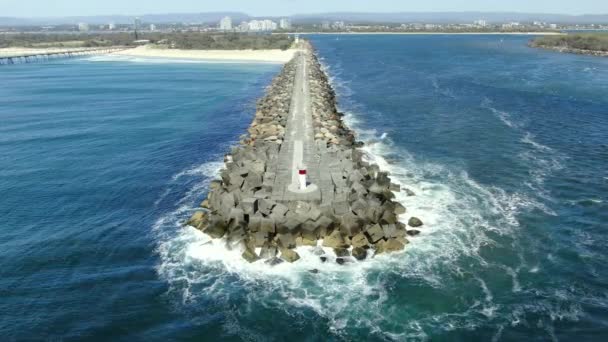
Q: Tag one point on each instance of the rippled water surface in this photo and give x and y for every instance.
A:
(506, 148)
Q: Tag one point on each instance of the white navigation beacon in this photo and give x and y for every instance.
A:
(302, 177)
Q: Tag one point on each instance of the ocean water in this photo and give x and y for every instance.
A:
(505, 147)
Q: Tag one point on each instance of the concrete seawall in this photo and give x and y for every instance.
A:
(347, 205)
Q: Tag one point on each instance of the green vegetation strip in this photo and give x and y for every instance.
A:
(181, 40)
(582, 41)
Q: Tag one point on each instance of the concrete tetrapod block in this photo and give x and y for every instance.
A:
(269, 251)
(359, 240)
(375, 233)
(388, 246)
(291, 223)
(289, 255)
(255, 222)
(267, 225)
(304, 241)
(334, 240)
(390, 230)
(250, 255)
(265, 206)
(253, 180)
(249, 205)
(227, 202)
(314, 214)
(260, 238)
(340, 208)
(237, 216)
(350, 224)
(359, 253)
(196, 219)
(399, 209)
(279, 210)
(286, 240)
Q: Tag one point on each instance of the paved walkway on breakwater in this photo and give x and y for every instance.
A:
(299, 149)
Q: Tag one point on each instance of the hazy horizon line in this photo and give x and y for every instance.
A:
(306, 14)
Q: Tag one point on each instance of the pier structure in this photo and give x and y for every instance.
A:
(42, 55)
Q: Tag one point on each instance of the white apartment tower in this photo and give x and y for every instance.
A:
(480, 23)
(285, 24)
(226, 24)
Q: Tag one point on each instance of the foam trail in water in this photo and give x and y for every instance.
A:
(542, 160)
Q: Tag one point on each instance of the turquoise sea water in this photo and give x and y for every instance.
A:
(505, 147)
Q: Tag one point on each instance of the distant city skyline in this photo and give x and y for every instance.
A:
(60, 8)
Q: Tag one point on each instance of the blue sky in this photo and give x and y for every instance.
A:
(43, 8)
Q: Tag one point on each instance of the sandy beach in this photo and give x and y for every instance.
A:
(271, 56)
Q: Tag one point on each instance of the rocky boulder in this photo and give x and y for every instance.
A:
(334, 240)
(414, 222)
(413, 232)
(216, 230)
(359, 253)
(289, 255)
(359, 240)
(375, 233)
(341, 252)
(388, 246)
(399, 209)
(196, 219)
(250, 255)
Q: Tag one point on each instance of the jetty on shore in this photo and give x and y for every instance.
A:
(33, 55)
(260, 204)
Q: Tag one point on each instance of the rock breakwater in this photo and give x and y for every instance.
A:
(355, 215)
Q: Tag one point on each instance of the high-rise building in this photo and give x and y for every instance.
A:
(137, 24)
(244, 26)
(83, 27)
(480, 23)
(285, 24)
(152, 27)
(269, 25)
(254, 25)
(262, 25)
(111, 26)
(226, 24)
(326, 25)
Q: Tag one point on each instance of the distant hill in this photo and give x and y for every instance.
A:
(198, 18)
(400, 17)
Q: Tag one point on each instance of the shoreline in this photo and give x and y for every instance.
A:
(594, 53)
(543, 33)
(268, 56)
